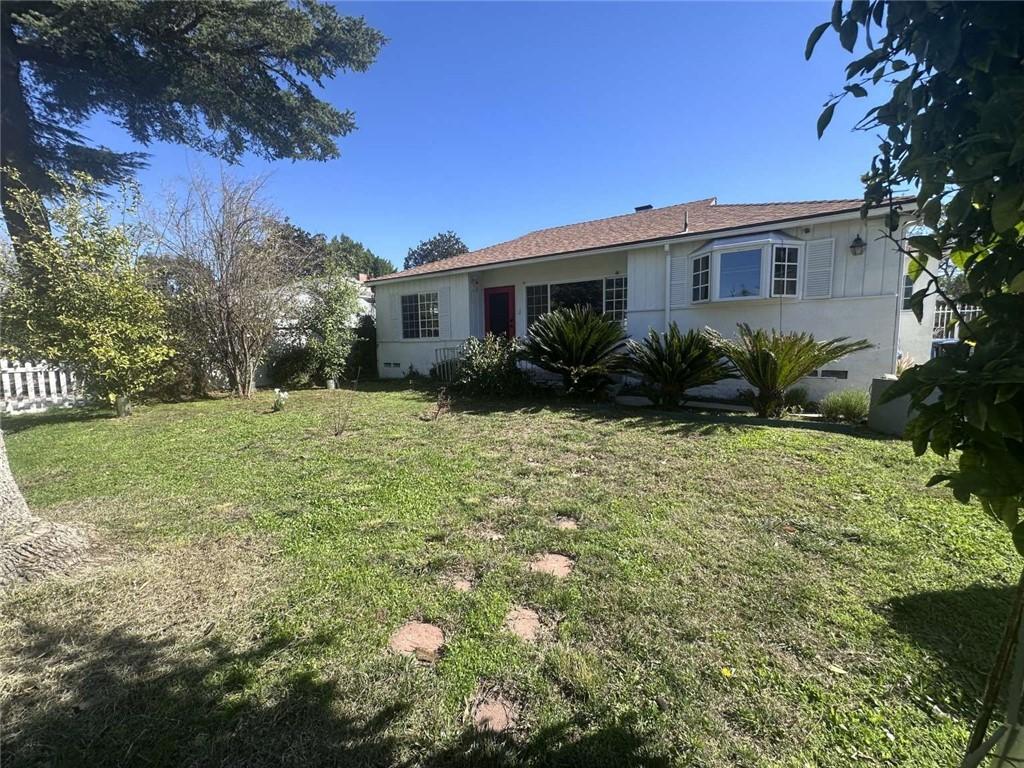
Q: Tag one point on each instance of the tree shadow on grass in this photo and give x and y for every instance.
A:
(115, 698)
(609, 746)
(24, 421)
(961, 628)
(124, 699)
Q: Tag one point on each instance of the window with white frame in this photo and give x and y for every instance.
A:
(739, 274)
(908, 290)
(607, 295)
(536, 302)
(702, 277)
(615, 297)
(785, 264)
(420, 316)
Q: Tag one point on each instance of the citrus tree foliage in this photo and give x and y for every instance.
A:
(443, 245)
(76, 296)
(952, 124)
(222, 76)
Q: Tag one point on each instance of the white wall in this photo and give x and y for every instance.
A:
(865, 291)
(396, 355)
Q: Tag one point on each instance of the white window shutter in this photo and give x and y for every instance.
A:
(818, 258)
(680, 278)
(444, 313)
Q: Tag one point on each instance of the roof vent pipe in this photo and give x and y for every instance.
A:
(686, 220)
(640, 208)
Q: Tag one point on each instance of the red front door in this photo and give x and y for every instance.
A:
(500, 311)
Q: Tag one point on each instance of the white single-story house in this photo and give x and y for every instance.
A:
(814, 266)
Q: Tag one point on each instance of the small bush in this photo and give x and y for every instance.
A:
(292, 367)
(848, 405)
(579, 344)
(797, 399)
(490, 366)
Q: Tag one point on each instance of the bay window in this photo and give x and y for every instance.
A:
(739, 274)
(761, 266)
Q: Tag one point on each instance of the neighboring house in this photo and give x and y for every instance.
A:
(806, 266)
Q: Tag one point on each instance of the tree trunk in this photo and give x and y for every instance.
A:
(17, 150)
(123, 405)
(13, 508)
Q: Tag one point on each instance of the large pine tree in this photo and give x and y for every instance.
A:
(222, 76)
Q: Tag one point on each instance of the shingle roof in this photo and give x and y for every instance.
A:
(706, 215)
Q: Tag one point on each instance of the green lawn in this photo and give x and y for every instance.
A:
(743, 594)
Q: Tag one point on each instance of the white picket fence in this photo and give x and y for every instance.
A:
(36, 386)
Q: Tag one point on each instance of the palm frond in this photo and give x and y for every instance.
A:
(578, 343)
(672, 362)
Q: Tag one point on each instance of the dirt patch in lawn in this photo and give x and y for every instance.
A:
(552, 563)
(524, 623)
(418, 639)
(565, 523)
(495, 711)
(486, 532)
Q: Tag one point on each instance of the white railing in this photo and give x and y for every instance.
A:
(36, 386)
(944, 326)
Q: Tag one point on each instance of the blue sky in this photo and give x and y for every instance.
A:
(493, 119)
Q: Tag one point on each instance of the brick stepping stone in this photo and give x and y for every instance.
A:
(418, 639)
(494, 712)
(524, 623)
(558, 566)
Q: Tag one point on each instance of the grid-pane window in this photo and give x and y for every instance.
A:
(784, 271)
(536, 303)
(420, 318)
(908, 290)
(702, 277)
(615, 297)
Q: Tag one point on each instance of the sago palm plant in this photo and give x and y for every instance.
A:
(772, 362)
(578, 343)
(672, 362)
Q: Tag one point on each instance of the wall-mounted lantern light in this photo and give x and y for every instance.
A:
(857, 246)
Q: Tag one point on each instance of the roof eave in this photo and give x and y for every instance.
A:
(663, 239)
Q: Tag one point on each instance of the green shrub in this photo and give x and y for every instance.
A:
(846, 405)
(772, 362)
(580, 344)
(362, 360)
(797, 399)
(672, 362)
(292, 367)
(489, 366)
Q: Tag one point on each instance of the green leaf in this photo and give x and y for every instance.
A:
(917, 303)
(1006, 208)
(926, 244)
(1018, 538)
(859, 91)
(848, 34)
(825, 118)
(898, 65)
(915, 266)
(1017, 284)
(812, 41)
(837, 15)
